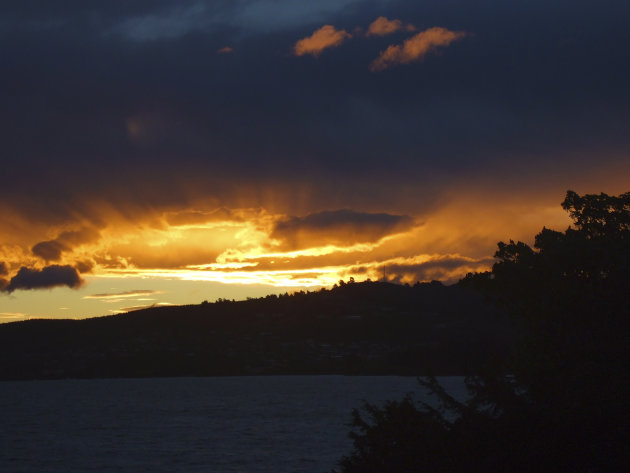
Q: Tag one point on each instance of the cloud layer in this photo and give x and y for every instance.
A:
(324, 38)
(339, 227)
(415, 48)
(383, 27)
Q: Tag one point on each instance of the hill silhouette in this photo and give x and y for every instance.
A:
(353, 328)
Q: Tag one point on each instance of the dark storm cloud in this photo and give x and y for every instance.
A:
(132, 97)
(448, 268)
(51, 250)
(339, 227)
(48, 277)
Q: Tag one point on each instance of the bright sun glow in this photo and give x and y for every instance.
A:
(253, 251)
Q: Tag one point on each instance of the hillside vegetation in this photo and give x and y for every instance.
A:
(353, 328)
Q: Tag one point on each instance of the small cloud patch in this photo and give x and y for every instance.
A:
(325, 37)
(382, 27)
(415, 48)
(134, 308)
(118, 295)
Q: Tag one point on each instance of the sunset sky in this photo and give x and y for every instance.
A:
(170, 152)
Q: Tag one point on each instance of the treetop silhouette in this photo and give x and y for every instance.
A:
(559, 403)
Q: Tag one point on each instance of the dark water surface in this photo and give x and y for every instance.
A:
(193, 425)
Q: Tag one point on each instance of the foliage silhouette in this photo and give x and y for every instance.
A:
(561, 402)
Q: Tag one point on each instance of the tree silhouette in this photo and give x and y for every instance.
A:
(560, 403)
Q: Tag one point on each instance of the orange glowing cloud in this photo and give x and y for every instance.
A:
(202, 217)
(179, 246)
(217, 242)
(225, 50)
(13, 257)
(382, 27)
(415, 48)
(325, 37)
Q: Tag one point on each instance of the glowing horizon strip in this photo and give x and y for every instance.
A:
(234, 265)
(325, 276)
(234, 256)
(318, 276)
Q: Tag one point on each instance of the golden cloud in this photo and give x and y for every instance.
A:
(200, 217)
(325, 37)
(121, 295)
(415, 48)
(225, 50)
(382, 27)
(12, 316)
(255, 245)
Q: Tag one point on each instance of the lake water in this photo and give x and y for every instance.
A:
(194, 425)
